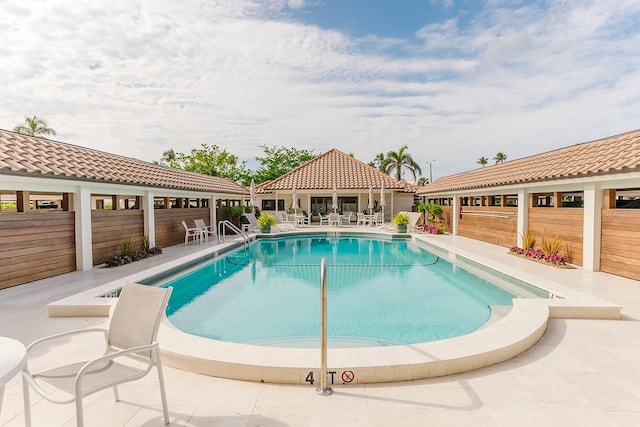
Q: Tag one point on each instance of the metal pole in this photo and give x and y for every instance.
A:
(323, 390)
(430, 174)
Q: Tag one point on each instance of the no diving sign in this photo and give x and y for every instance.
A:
(346, 376)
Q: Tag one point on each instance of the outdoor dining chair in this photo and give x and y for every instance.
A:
(205, 230)
(346, 220)
(129, 353)
(192, 233)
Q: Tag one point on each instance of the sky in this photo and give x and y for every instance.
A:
(453, 80)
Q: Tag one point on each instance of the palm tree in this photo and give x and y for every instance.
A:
(168, 156)
(377, 162)
(33, 126)
(483, 161)
(500, 157)
(399, 160)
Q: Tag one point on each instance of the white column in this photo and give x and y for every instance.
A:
(84, 250)
(523, 214)
(592, 228)
(212, 214)
(456, 215)
(149, 215)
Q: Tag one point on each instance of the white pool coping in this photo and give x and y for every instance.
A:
(516, 332)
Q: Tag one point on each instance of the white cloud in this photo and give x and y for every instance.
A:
(137, 78)
(296, 4)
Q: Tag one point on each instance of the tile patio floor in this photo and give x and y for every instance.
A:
(581, 373)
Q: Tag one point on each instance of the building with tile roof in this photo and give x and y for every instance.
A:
(586, 195)
(28, 156)
(606, 157)
(65, 207)
(315, 180)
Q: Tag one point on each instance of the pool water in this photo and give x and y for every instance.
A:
(380, 292)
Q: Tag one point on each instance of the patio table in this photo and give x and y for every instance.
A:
(13, 358)
(370, 219)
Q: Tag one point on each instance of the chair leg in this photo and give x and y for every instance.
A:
(116, 395)
(27, 403)
(79, 413)
(163, 394)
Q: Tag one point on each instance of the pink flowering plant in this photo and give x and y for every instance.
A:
(538, 254)
(548, 252)
(556, 259)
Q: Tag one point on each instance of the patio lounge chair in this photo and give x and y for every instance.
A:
(414, 218)
(204, 229)
(192, 233)
(252, 226)
(131, 337)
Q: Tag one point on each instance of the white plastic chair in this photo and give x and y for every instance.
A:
(334, 219)
(362, 219)
(132, 335)
(346, 220)
(379, 219)
(192, 233)
(324, 220)
(205, 230)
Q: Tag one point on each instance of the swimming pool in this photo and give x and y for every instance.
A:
(380, 292)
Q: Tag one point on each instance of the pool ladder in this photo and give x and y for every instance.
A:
(222, 231)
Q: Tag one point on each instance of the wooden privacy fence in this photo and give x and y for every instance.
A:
(169, 229)
(109, 228)
(565, 224)
(447, 218)
(35, 246)
(620, 237)
(497, 225)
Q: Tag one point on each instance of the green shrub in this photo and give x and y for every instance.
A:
(266, 220)
(400, 218)
(146, 245)
(550, 245)
(126, 246)
(528, 240)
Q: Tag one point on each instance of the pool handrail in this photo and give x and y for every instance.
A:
(222, 227)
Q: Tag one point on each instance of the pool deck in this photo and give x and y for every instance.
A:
(581, 372)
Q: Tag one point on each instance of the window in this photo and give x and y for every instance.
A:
(270, 204)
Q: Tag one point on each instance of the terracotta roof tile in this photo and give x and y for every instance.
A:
(334, 168)
(31, 156)
(612, 154)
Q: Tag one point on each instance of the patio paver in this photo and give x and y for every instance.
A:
(582, 372)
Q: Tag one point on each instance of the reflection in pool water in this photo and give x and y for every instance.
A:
(380, 292)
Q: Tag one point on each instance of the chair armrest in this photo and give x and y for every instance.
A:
(120, 353)
(132, 352)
